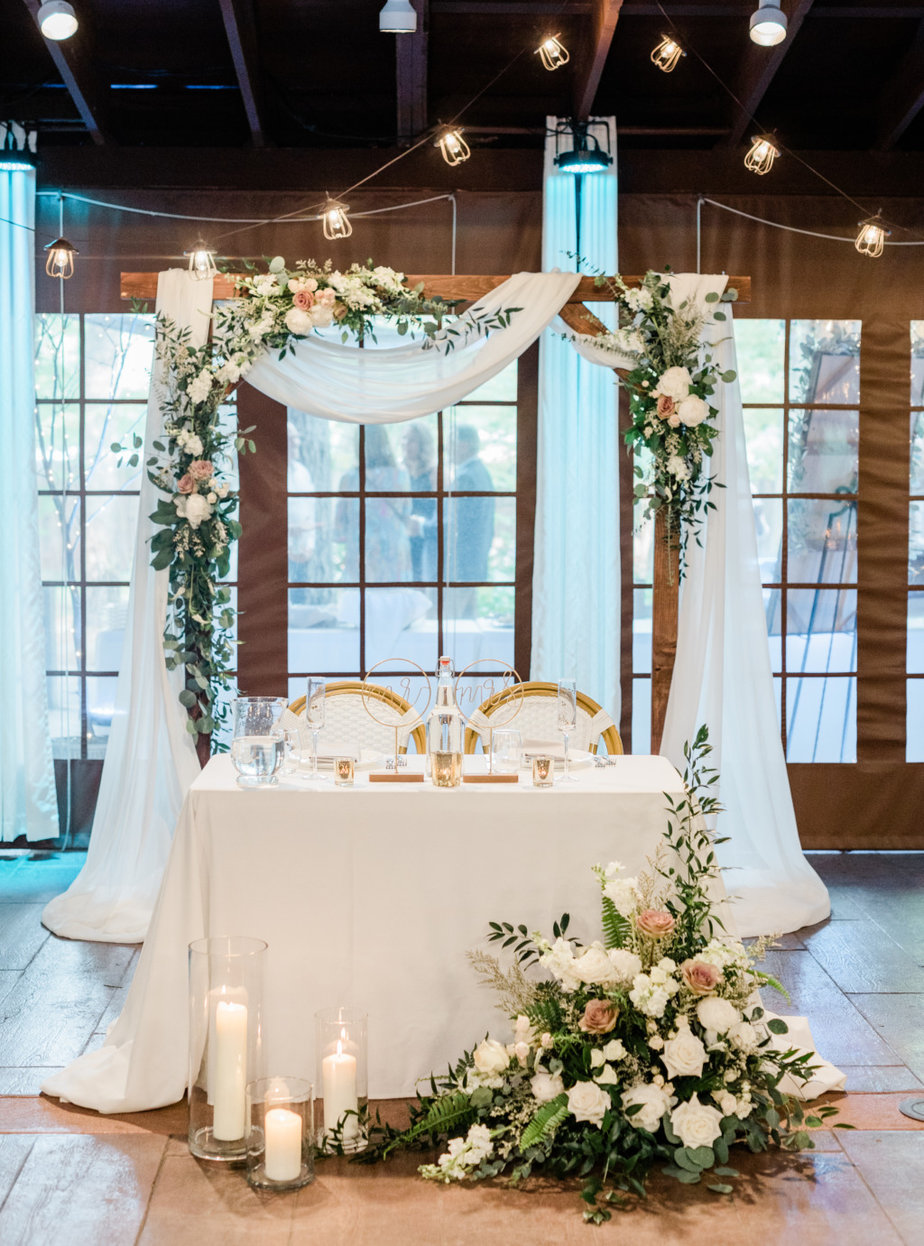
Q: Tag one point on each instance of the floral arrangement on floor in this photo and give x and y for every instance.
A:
(646, 1047)
(670, 379)
(193, 460)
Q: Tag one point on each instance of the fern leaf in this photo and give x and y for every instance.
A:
(615, 927)
(545, 1122)
(442, 1117)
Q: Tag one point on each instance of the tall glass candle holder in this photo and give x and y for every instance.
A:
(342, 1076)
(280, 1141)
(225, 1042)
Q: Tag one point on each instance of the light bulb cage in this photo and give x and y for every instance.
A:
(335, 220)
(667, 54)
(768, 24)
(871, 238)
(57, 20)
(202, 261)
(552, 52)
(763, 151)
(453, 147)
(60, 262)
(398, 17)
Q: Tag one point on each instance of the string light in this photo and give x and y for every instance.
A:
(553, 53)
(336, 222)
(667, 54)
(453, 146)
(871, 238)
(762, 154)
(202, 261)
(60, 262)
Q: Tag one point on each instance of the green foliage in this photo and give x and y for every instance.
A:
(544, 1123)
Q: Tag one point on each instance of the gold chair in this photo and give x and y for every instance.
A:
(349, 724)
(538, 716)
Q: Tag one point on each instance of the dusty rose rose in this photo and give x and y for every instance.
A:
(701, 977)
(201, 469)
(303, 299)
(599, 1016)
(665, 406)
(185, 484)
(655, 923)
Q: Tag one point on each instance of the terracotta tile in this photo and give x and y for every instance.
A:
(194, 1202)
(81, 1191)
(872, 1111)
(44, 1115)
(892, 1165)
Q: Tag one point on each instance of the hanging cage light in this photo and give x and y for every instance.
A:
(871, 238)
(202, 261)
(60, 262)
(553, 53)
(453, 146)
(763, 151)
(667, 54)
(336, 222)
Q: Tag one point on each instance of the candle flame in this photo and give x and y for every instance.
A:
(339, 1047)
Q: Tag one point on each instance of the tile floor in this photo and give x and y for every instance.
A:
(72, 1178)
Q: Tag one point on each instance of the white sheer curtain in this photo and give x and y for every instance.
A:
(27, 788)
(722, 678)
(150, 759)
(575, 620)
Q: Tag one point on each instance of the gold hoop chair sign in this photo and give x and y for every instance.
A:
(499, 687)
(389, 708)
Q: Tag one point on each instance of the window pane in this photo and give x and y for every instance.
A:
(107, 610)
(480, 448)
(62, 626)
(821, 719)
(641, 631)
(480, 539)
(760, 344)
(59, 537)
(500, 388)
(763, 428)
(824, 361)
(388, 539)
(401, 623)
(478, 624)
(321, 453)
(104, 424)
(768, 521)
(823, 451)
(227, 422)
(917, 451)
(822, 542)
(642, 547)
(915, 655)
(57, 356)
(821, 630)
(773, 611)
(323, 630)
(917, 363)
(914, 736)
(119, 352)
(641, 715)
(111, 523)
(64, 715)
(916, 543)
(323, 539)
(100, 709)
(57, 446)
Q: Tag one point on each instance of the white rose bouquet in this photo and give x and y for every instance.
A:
(647, 1047)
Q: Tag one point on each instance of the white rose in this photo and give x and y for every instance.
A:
(695, 1124)
(626, 966)
(546, 1041)
(726, 1101)
(522, 1031)
(597, 1058)
(656, 1042)
(675, 383)
(654, 1103)
(717, 1014)
(594, 966)
(744, 1037)
(692, 411)
(546, 1086)
(193, 508)
(491, 1057)
(193, 445)
(614, 1050)
(298, 321)
(684, 1056)
(521, 1051)
(587, 1102)
(607, 1076)
(211, 498)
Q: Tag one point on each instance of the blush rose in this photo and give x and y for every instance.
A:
(655, 923)
(600, 1016)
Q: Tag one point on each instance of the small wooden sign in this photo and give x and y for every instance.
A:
(394, 776)
(490, 778)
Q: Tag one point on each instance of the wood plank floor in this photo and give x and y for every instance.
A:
(73, 1178)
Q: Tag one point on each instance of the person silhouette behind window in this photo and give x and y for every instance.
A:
(471, 530)
(388, 554)
(420, 464)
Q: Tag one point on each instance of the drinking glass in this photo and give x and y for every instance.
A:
(315, 714)
(257, 746)
(292, 748)
(567, 720)
(506, 750)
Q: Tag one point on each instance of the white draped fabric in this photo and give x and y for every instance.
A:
(27, 787)
(576, 579)
(722, 677)
(151, 759)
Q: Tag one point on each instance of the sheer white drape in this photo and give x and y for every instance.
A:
(575, 621)
(150, 759)
(27, 787)
(722, 678)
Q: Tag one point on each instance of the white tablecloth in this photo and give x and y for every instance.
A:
(368, 896)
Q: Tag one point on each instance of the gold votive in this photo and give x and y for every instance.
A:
(446, 769)
(343, 771)
(543, 772)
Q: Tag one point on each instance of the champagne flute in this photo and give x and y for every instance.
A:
(567, 719)
(314, 716)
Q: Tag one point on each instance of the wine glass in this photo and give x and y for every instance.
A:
(567, 719)
(315, 714)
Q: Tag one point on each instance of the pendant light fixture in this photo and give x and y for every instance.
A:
(667, 54)
(336, 221)
(202, 261)
(768, 23)
(398, 17)
(453, 146)
(57, 19)
(764, 150)
(553, 53)
(871, 238)
(586, 155)
(60, 262)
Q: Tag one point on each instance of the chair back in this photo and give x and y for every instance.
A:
(537, 719)
(349, 726)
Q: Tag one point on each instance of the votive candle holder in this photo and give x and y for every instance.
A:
(280, 1142)
(343, 771)
(543, 771)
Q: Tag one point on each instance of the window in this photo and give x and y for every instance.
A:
(915, 651)
(800, 389)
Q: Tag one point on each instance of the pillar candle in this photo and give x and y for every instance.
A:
(283, 1161)
(230, 1071)
(339, 1076)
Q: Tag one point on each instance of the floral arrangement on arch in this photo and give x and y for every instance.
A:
(646, 1047)
(671, 378)
(193, 461)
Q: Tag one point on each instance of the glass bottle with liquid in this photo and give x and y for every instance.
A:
(444, 731)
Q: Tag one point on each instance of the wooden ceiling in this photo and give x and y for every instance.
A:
(318, 74)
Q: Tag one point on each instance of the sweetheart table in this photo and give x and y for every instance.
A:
(368, 896)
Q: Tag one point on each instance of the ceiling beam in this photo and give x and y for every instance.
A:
(587, 78)
(903, 97)
(758, 69)
(72, 60)
(241, 32)
(411, 77)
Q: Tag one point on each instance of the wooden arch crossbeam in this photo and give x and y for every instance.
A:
(579, 318)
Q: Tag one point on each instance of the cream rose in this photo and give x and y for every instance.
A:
(546, 1086)
(675, 383)
(193, 509)
(695, 1124)
(491, 1057)
(587, 1102)
(594, 966)
(726, 1101)
(684, 1056)
(744, 1037)
(717, 1014)
(653, 1102)
(692, 411)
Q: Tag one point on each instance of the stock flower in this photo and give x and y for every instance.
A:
(546, 1086)
(559, 960)
(677, 467)
(695, 1124)
(625, 965)
(744, 1037)
(624, 894)
(654, 1103)
(684, 1055)
(600, 1016)
(700, 977)
(199, 389)
(656, 923)
(201, 469)
(587, 1102)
